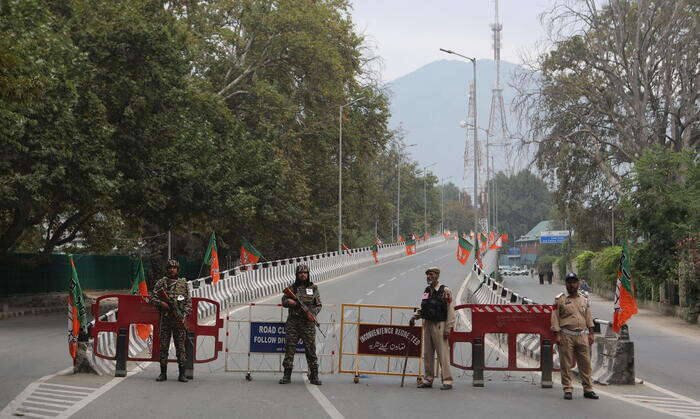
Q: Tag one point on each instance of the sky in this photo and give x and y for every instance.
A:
(408, 33)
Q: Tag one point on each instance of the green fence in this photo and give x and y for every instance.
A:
(95, 272)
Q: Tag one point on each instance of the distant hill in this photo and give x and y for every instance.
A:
(430, 102)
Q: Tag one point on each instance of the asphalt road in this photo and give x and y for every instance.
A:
(667, 351)
(217, 393)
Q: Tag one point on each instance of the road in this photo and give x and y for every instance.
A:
(216, 393)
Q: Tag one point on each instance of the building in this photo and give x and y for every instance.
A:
(529, 243)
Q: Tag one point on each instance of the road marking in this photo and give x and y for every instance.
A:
(392, 279)
(370, 293)
(322, 400)
(359, 301)
(402, 274)
(380, 285)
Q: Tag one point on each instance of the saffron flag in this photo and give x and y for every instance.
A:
(249, 254)
(625, 304)
(346, 248)
(211, 258)
(410, 246)
(464, 249)
(375, 250)
(77, 315)
(138, 287)
(497, 243)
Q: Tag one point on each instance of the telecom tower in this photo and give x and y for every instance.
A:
(467, 174)
(498, 130)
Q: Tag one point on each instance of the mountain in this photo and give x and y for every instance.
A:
(429, 103)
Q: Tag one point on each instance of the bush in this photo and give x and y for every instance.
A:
(603, 268)
(582, 262)
(560, 263)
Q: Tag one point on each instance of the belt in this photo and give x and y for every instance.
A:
(574, 332)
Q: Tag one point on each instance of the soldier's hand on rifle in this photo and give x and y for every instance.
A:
(291, 303)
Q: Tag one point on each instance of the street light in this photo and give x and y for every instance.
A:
(340, 174)
(476, 200)
(398, 189)
(425, 197)
(442, 204)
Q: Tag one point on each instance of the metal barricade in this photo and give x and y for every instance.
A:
(255, 340)
(376, 339)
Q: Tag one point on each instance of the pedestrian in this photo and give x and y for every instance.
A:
(299, 327)
(550, 274)
(584, 286)
(438, 316)
(541, 275)
(173, 313)
(572, 325)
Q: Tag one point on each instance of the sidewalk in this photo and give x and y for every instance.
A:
(666, 348)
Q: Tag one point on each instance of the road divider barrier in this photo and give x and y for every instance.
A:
(612, 354)
(255, 340)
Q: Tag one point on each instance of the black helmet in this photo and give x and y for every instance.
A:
(571, 277)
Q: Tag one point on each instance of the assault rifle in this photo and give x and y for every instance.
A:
(309, 315)
(174, 310)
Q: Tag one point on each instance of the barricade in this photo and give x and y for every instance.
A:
(133, 310)
(511, 320)
(378, 340)
(255, 340)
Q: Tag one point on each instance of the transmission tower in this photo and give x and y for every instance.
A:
(469, 161)
(498, 130)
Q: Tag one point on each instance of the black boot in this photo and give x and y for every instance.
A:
(163, 372)
(313, 376)
(287, 377)
(181, 378)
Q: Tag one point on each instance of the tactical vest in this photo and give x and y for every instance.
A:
(434, 308)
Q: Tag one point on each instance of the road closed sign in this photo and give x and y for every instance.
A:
(269, 337)
(387, 340)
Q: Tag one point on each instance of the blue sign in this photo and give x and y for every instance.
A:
(552, 239)
(513, 250)
(269, 337)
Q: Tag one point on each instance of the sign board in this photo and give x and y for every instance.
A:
(514, 251)
(554, 237)
(269, 337)
(388, 340)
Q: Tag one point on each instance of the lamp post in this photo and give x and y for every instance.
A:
(476, 199)
(398, 188)
(442, 204)
(425, 198)
(340, 174)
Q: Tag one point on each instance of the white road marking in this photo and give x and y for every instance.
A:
(380, 285)
(392, 279)
(359, 301)
(323, 400)
(402, 274)
(370, 293)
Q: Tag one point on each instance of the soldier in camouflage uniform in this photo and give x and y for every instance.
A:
(298, 326)
(176, 289)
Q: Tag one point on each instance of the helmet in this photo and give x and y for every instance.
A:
(172, 262)
(302, 268)
(433, 269)
(571, 277)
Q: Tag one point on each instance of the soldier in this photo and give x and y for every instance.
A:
(298, 326)
(573, 326)
(438, 316)
(176, 289)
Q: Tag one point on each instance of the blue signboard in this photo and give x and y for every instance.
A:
(269, 337)
(513, 250)
(552, 239)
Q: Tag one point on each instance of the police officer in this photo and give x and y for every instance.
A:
(178, 295)
(572, 324)
(438, 316)
(298, 326)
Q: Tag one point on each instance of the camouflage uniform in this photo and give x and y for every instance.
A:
(178, 294)
(299, 327)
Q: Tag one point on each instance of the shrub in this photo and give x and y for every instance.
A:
(582, 262)
(603, 267)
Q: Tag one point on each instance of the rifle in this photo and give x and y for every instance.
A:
(309, 315)
(174, 311)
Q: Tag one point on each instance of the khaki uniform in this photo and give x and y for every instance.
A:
(572, 321)
(435, 343)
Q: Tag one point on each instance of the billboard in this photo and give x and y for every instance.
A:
(554, 237)
(379, 339)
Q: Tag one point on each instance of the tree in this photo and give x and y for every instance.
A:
(523, 200)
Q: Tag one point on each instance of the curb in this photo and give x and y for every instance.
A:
(35, 311)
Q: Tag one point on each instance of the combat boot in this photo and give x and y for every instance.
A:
(287, 377)
(313, 377)
(181, 378)
(163, 372)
